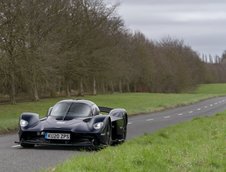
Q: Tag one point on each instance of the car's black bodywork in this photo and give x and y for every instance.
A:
(74, 123)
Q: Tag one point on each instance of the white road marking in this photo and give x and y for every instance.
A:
(190, 112)
(151, 119)
(206, 107)
(166, 117)
(180, 114)
(199, 109)
(129, 123)
(216, 103)
(15, 146)
(211, 105)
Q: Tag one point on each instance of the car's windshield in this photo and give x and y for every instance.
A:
(70, 110)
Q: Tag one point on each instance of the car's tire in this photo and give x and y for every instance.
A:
(25, 145)
(107, 141)
(108, 134)
(124, 128)
(124, 134)
(122, 137)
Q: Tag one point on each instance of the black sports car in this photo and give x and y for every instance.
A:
(74, 123)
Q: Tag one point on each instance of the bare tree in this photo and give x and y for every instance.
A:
(10, 40)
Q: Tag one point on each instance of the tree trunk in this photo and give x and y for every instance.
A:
(59, 88)
(34, 86)
(120, 86)
(128, 87)
(94, 86)
(135, 88)
(103, 87)
(35, 92)
(12, 77)
(81, 91)
(112, 87)
(68, 90)
(13, 88)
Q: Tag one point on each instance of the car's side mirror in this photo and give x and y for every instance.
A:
(49, 111)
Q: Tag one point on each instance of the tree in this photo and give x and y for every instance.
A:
(10, 41)
(40, 18)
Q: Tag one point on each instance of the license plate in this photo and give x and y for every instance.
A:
(57, 136)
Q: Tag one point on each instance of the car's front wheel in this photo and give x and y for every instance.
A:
(108, 134)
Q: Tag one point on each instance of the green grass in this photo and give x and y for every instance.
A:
(132, 102)
(198, 145)
(211, 89)
(146, 102)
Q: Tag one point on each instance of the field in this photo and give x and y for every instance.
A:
(198, 145)
(211, 89)
(133, 102)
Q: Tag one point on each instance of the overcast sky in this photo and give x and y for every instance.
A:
(200, 23)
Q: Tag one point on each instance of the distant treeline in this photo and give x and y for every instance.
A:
(62, 47)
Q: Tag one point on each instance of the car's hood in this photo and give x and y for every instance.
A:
(50, 121)
(51, 124)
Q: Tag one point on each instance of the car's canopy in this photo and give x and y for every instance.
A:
(71, 109)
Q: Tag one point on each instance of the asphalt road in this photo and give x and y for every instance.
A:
(13, 158)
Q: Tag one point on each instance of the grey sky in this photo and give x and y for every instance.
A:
(200, 23)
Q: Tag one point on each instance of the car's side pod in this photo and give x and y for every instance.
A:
(119, 122)
(31, 118)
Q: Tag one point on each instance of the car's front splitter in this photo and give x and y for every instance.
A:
(79, 144)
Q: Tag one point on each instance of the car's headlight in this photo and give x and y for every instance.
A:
(23, 123)
(98, 125)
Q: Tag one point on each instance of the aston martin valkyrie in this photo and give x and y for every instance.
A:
(74, 123)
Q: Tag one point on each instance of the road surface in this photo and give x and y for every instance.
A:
(13, 158)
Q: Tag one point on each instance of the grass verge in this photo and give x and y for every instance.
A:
(197, 145)
(211, 89)
(132, 102)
